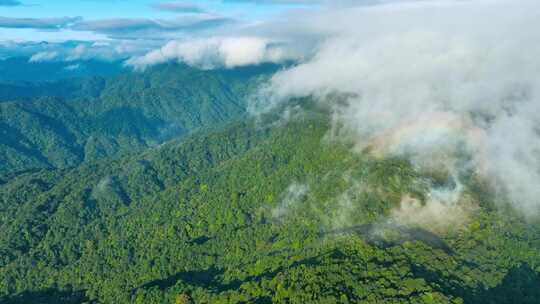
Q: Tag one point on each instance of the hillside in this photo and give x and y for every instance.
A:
(261, 212)
(62, 124)
(19, 68)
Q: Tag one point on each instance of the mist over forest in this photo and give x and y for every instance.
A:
(279, 151)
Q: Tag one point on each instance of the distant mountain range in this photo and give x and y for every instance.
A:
(58, 124)
(23, 69)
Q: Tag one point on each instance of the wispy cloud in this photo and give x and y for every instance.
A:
(43, 56)
(151, 29)
(277, 1)
(38, 23)
(180, 7)
(120, 29)
(333, 3)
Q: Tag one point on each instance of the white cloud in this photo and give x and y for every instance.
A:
(434, 81)
(77, 52)
(445, 208)
(216, 52)
(243, 51)
(72, 67)
(43, 56)
(293, 197)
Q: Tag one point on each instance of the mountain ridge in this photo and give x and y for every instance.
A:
(102, 117)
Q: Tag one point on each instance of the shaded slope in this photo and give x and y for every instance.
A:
(73, 121)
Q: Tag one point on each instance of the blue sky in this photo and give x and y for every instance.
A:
(18, 18)
(120, 28)
(94, 9)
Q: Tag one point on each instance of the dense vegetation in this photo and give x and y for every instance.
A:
(64, 123)
(251, 213)
(23, 69)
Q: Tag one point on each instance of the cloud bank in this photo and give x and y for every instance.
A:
(436, 83)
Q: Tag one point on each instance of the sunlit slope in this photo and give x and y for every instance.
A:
(256, 213)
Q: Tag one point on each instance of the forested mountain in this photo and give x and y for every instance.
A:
(63, 123)
(25, 69)
(269, 151)
(254, 212)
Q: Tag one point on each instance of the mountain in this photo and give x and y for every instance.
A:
(63, 123)
(254, 211)
(23, 69)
